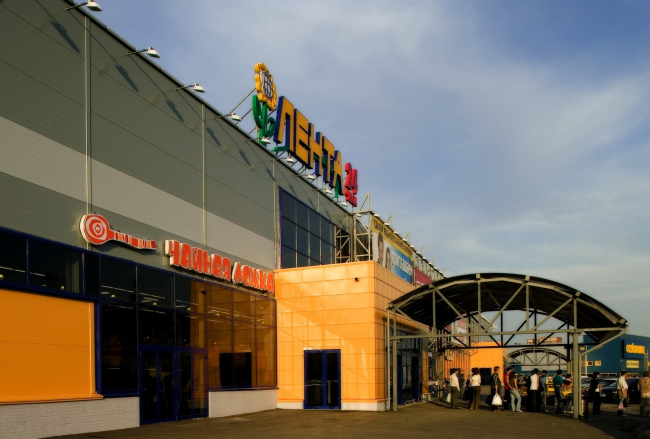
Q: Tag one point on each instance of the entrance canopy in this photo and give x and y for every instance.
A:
(467, 297)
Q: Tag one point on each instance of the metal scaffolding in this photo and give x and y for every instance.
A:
(538, 304)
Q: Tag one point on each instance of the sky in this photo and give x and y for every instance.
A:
(504, 136)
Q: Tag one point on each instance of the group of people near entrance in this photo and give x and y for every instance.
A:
(536, 388)
(535, 384)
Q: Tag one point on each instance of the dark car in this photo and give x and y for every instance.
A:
(605, 382)
(610, 394)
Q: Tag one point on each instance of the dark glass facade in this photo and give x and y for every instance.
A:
(308, 238)
(139, 308)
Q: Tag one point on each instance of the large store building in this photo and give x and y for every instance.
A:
(157, 263)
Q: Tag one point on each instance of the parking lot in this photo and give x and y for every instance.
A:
(419, 420)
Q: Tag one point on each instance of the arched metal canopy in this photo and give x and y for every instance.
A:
(535, 356)
(469, 296)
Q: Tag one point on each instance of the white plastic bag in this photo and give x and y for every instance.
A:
(448, 398)
(621, 406)
(496, 399)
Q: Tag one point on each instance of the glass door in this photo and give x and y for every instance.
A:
(172, 384)
(322, 379)
(157, 386)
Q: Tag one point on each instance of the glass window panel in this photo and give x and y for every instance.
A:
(263, 311)
(313, 263)
(289, 234)
(92, 274)
(302, 260)
(314, 247)
(244, 362)
(52, 266)
(220, 302)
(156, 326)
(199, 297)
(198, 331)
(314, 222)
(325, 230)
(332, 234)
(243, 306)
(183, 294)
(13, 258)
(302, 215)
(328, 254)
(155, 288)
(220, 354)
(118, 280)
(288, 206)
(302, 241)
(119, 347)
(288, 258)
(265, 356)
(183, 329)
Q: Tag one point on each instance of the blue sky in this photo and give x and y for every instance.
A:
(505, 136)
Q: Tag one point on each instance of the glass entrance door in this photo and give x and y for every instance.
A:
(156, 386)
(322, 379)
(172, 384)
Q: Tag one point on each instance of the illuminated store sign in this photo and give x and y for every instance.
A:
(96, 230)
(200, 261)
(631, 350)
(301, 140)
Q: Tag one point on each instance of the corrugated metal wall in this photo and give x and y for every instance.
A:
(84, 127)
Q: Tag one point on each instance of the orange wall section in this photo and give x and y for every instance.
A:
(488, 358)
(341, 306)
(46, 349)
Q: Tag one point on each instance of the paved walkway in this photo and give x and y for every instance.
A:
(415, 421)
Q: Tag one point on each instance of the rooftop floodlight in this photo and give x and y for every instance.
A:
(344, 203)
(265, 140)
(311, 177)
(196, 87)
(376, 215)
(328, 191)
(149, 51)
(92, 5)
(232, 116)
(418, 253)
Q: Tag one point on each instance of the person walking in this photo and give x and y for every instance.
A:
(533, 391)
(542, 391)
(506, 386)
(621, 387)
(495, 388)
(515, 397)
(476, 389)
(644, 390)
(461, 384)
(557, 388)
(595, 389)
(455, 390)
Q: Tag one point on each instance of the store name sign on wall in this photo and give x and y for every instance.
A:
(301, 140)
(195, 259)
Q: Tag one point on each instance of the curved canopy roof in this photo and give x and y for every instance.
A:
(500, 291)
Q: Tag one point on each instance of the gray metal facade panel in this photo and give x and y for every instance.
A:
(28, 208)
(45, 80)
(130, 154)
(224, 201)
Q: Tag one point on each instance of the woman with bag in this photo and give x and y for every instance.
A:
(595, 389)
(495, 390)
(621, 387)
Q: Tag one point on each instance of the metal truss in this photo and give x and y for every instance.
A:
(487, 297)
(537, 357)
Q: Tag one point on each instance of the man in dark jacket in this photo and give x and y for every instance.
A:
(495, 387)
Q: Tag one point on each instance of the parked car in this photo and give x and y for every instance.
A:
(610, 394)
(605, 382)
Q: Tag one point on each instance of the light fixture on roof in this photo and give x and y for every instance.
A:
(196, 87)
(290, 160)
(418, 253)
(149, 51)
(311, 177)
(357, 214)
(265, 140)
(412, 246)
(376, 215)
(92, 5)
(328, 191)
(232, 116)
(396, 232)
(344, 203)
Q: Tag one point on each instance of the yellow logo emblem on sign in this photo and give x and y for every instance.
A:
(634, 349)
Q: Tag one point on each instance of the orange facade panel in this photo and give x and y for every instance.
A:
(46, 349)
